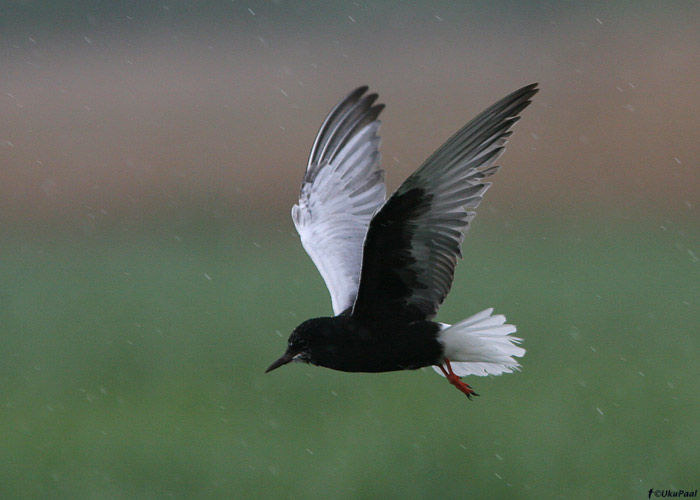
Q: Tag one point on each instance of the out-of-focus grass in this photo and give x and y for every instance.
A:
(131, 366)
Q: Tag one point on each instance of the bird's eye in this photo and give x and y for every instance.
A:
(296, 346)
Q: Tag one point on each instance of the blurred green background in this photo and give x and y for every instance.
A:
(149, 270)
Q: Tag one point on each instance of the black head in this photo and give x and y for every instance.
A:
(303, 341)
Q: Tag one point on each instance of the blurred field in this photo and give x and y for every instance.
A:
(132, 367)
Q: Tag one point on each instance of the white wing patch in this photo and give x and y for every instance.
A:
(334, 211)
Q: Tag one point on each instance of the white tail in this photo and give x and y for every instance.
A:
(481, 345)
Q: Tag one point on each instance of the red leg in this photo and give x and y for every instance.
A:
(456, 381)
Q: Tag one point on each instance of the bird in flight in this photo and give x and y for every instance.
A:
(389, 264)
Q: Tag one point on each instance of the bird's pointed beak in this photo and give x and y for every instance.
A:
(283, 360)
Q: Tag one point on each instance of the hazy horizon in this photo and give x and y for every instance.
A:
(114, 121)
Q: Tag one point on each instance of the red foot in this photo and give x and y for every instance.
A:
(456, 381)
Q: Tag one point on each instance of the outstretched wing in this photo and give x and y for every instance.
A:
(413, 242)
(342, 189)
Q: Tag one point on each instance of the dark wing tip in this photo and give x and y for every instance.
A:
(369, 100)
(527, 88)
(527, 92)
(355, 94)
(362, 89)
(374, 112)
(523, 94)
(519, 99)
(356, 110)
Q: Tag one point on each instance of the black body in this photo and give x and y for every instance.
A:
(346, 344)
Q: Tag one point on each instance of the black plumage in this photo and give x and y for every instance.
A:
(390, 264)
